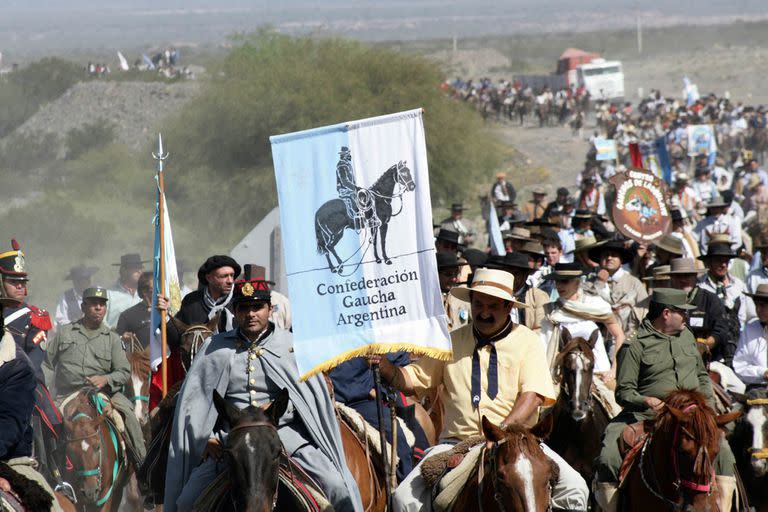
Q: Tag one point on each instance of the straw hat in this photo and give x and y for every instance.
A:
(584, 243)
(761, 293)
(491, 282)
(683, 266)
(660, 273)
(670, 244)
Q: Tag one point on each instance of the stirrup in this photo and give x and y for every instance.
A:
(66, 489)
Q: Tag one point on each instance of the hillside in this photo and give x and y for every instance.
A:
(137, 109)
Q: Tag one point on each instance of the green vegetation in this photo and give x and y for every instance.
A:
(22, 93)
(99, 202)
(90, 136)
(274, 84)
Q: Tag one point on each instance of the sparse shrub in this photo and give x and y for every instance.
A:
(89, 136)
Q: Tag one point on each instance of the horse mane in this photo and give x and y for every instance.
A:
(383, 175)
(701, 421)
(139, 362)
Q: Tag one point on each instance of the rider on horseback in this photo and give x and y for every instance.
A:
(358, 201)
(28, 325)
(88, 353)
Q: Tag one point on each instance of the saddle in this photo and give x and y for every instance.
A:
(631, 443)
(434, 468)
(366, 433)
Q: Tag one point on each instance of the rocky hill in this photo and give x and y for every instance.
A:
(135, 108)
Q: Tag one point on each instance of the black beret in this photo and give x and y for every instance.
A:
(215, 262)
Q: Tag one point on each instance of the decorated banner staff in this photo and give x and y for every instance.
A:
(160, 156)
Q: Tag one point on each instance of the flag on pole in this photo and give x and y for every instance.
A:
(494, 232)
(663, 159)
(170, 288)
(123, 62)
(357, 194)
(605, 149)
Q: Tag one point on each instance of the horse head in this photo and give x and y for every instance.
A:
(86, 446)
(750, 437)
(688, 434)
(193, 336)
(253, 450)
(574, 366)
(517, 474)
(404, 177)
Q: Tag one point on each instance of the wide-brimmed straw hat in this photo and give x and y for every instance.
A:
(564, 272)
(683, 266)
(660, 273)
(518, 233)
(584, 243)
(671, 244)
(491, 282)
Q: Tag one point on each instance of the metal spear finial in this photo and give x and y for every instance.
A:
(160, 156)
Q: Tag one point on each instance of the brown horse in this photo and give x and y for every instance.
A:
(368, 476)
(578, 424)
(513, 473)
(94, 446)
(141, 374)
(675, 468)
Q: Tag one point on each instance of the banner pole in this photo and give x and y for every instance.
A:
(382, 436)
(160, 157)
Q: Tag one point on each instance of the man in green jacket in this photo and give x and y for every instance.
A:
(87, 353)
(661, 357)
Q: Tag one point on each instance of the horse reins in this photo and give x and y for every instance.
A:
(679, 482)
(99, 422)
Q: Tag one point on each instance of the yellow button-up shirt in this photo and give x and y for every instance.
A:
(522, 367)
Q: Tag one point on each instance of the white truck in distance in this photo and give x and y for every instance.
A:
(602, 79)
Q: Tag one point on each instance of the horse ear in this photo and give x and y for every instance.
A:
(678, 414)
(491, 432)
(225, 410)
(213, 323)
(180, 326)
(726, 418)
(565, 337)
(277, 408)
(544, 427)
(593, 338)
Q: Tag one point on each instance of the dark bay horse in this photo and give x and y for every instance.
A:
(331, 219)
(750, 446)
(675, 468)
(513, 473)
(94, 446)
(253, 449)
(578, 423)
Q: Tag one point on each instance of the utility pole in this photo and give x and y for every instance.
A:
(639, 35)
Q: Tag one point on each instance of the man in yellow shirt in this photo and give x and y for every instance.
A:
(499, 370)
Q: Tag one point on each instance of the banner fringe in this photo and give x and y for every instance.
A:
(379, 349)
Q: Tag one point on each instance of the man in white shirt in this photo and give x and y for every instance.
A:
(751, 359)
(68, 308)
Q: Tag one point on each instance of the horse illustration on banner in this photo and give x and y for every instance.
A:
(359, 208)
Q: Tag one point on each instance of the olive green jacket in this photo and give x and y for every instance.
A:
(654, 364)
(76, 353)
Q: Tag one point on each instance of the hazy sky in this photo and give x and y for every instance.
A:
(34, 26)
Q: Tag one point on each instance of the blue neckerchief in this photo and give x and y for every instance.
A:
(493, 367)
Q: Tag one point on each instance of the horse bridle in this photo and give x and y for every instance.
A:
(588, 407)
(98, 422)
(260, 424)
(493, 461)
(198, 338)
(679, 482)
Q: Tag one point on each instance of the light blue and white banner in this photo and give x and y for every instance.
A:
(357, 235)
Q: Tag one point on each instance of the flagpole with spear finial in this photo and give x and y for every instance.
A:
(161, 157)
